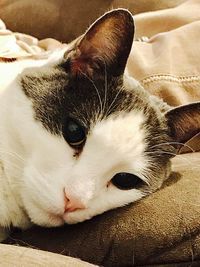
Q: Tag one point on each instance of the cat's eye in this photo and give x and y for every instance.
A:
(74, 133)
(126, 181)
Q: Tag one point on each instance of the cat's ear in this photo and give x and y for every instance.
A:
(106, 45)
(184, 122)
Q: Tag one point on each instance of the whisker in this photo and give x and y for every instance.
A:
(12, 154)
(109, 108)
(105, 86)
(161, 152)
(174, 143)
(190, 163)
(100, 101)
(43, 184)
(12, 164)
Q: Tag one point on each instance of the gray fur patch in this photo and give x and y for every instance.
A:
(56, 96)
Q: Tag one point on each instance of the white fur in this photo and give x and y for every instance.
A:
(36, 166)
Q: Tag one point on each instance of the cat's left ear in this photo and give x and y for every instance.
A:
(106, 45)
(184, 122)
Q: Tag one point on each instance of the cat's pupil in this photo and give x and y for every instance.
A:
(126, 181)
(74, 133)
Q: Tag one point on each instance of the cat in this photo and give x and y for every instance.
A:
(78, 136)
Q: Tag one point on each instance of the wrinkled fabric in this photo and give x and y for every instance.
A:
(22, 46)
(168, 64)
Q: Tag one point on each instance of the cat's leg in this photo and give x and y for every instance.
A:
(3, 233)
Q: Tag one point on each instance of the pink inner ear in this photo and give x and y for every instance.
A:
(107, 43)
(104, 40)
(77, 66)
(184, 121)
(82, 59)
(80, 66)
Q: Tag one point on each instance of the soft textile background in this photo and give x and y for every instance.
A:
(64, 20)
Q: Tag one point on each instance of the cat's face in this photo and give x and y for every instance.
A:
(81, 143)
(91, 142)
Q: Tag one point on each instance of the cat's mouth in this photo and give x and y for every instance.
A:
(60, 219)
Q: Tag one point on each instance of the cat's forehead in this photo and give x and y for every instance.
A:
(55, 95)
(124, 131)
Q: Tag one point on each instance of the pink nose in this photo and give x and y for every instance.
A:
(72, 203)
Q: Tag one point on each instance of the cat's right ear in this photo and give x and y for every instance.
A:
(106, 45)
(184, 122)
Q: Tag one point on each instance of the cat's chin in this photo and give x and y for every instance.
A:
(47, 219)
(77, 216)
(54, 221)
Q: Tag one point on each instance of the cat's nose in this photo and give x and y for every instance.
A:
(72, 203)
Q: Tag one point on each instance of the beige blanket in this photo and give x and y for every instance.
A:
(168, 65)
(22, 46)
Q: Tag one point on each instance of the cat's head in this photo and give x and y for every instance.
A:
(91, 140)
